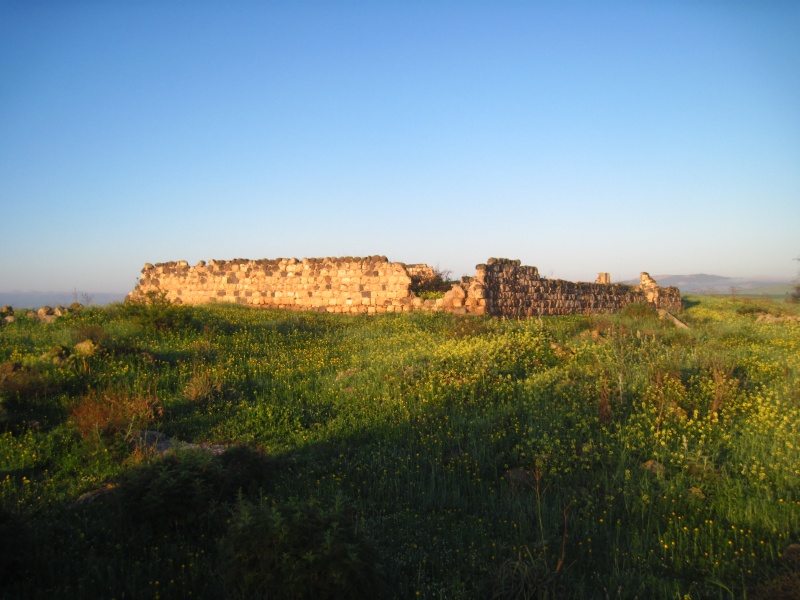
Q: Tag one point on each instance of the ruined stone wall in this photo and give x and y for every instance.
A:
(420, 271)
(506, 288)
(372, 285)
(339, 285)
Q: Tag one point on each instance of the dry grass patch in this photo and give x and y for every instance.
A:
(102, 414)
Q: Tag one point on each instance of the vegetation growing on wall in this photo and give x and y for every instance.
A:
(433, 285)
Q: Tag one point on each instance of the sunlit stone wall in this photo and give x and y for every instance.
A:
(501, 287)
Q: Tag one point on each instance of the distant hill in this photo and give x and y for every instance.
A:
(36, 299)
(702, 283)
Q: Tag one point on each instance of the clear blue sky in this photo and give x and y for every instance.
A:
(577, 137)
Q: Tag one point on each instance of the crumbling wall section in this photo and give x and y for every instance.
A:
(506, 288)
(420, 271)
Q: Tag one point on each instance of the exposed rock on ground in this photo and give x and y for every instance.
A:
(160, 443)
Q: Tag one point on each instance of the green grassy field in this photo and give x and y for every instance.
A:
(401, 456)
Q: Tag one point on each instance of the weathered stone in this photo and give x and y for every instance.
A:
(697, 493)
(665, 314)
(653, 466)
(561, 351)
(458, 291)
(770, 318)
(86, 348)
(58, 355)
(93, 495)
(159, 443)
(519, 477)
(791, 554)
(7, 369)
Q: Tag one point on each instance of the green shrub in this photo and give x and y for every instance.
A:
(298, 550)
(204, 386)
(638, 310)
(158, 313)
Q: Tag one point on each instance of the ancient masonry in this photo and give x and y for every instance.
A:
(373, 285)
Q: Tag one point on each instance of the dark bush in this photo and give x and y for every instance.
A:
(20, 384)
(748, 308)
(15, 549)
(244, 469)
(298, 550)
(191, 487)
(176, 492)
(92, 332)
(433, 286)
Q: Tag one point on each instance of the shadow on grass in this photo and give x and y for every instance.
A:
(687, 303)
